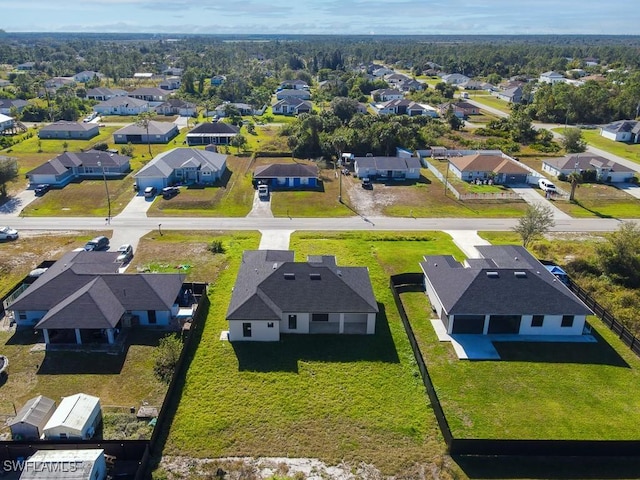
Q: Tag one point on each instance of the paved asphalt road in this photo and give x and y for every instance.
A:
(318, 224)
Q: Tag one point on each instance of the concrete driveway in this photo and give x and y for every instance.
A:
(137, 207)
(532, 197)
(261, 208)
(13, 206)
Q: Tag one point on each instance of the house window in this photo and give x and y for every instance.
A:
(269, 324)
(537, 320)
(151, 315)
(293, 322)
(22, 315)
(320, 317)
(567, 321)
(246, 329)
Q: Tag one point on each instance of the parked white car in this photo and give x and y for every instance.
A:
(8, 233)
(546, 186)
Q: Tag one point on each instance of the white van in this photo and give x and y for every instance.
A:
(546, 186)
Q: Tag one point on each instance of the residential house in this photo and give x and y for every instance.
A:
(176, 106)
(292, 93)
(170, 83)
(69, 130)
(71, 166)
(273, 294)
(242, 108)
(291, 106)
(461, 109)
(411, 85)
(606, 170)
(79, 464)
(387, 168)
(501, 169)
(294, 85)
(121, 106)
(6, 122)
(142, 76)
(622, 131)
(57, 82)
(379, 71)
(395, 79)
(505, 291)
(218, 80)
(87, 76)
(29, 422)
(212, 133)
(173, 71)
(26, 66)
(551, 77)
(152, 95)
(591, 62)
(405, 107)
(287, 175)
(511, 95)
(4, 83)
(7, 104)
(101, 94)
(455, 78)
(386, 94)
(82, 297)
(155, 132)
(182, 166)
(76, 418)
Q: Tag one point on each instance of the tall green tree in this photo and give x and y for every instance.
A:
(8, 172)
(535, 223)
(143, 119)
(619, 255)
(572, 140)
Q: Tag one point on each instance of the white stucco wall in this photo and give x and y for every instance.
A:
(302, 322)
(260, 331)
(551, 326)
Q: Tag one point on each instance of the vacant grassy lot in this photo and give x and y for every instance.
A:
(598, 200)
(18, 258)
(538, 390)
(427, 198)
(494, 102)
(334, 398)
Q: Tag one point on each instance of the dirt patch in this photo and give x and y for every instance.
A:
(369, 202)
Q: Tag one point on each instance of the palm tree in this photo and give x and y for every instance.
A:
(575, 178)
(143, 119)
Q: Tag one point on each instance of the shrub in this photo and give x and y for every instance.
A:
(216, 246)
(167, 356)
(127, 150)
(102, 146)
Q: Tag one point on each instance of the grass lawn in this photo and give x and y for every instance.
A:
(427, 198)
(335, 398)
(19, 257)
(598, 200)
(56, 146)
(624, 150)
(119, 380)
(538, 391)
(232, 197)
(491, 101)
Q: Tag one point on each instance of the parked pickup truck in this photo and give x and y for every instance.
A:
(263, 192)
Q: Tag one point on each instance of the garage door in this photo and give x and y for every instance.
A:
(504, 324)
(468, 324)
(144, 182)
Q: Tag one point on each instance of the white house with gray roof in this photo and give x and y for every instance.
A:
(622, 131)
(155, 132)
(506, 291)
(387, 168)
(69, 130)
(182, 166)
(274, 294)
(119, 105)
(606, 170)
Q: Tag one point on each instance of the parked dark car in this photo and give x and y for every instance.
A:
(97, 244)
(42, 189)
(366, 184)
(170, 192)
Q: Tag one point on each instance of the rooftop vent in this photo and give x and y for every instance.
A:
(520, 274)
(314, 276)
(492, 274)
(275, 265)
(289, 276)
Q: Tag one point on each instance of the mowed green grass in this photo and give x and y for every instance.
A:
(353, 398)
(624, 150)
(577, 391)
(491, 101)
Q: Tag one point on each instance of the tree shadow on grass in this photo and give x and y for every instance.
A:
(283, 356)
(591, 353)
(509, 467)
(596, 213)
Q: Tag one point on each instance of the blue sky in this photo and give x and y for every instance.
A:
(324, 16)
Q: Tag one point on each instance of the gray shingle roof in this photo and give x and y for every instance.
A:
(123, 102)
(621, 126)
(69, 127)
(216, 127)
(85, 290)
(165, 163)
(155, 128)
(388, 163)
(90, 158)
(585, 161)
(270, 282)
(286, 170)
(472, 291)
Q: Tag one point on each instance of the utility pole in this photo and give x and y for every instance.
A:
(106, 188)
